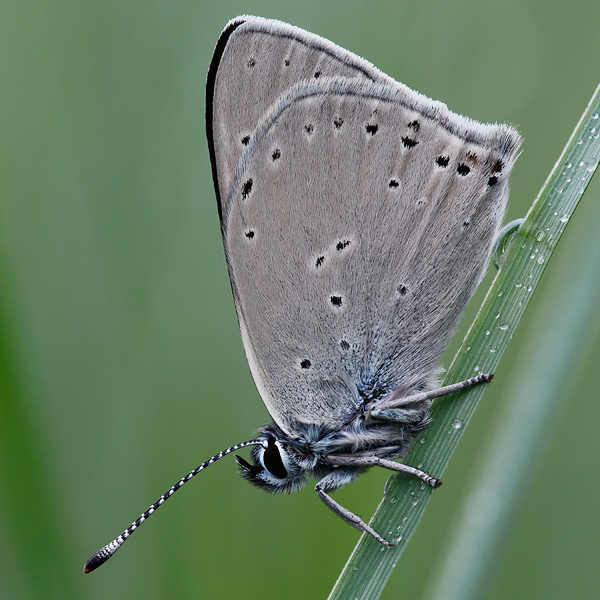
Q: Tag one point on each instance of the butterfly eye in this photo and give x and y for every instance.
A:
(273, 463)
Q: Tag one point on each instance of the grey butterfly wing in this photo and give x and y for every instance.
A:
(356, 223)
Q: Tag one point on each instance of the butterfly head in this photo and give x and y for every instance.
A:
(277, 465)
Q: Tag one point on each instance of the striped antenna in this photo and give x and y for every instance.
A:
(105, 553)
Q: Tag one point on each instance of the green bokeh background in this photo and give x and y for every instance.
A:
(121, 364)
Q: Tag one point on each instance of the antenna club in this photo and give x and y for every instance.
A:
(95, 561)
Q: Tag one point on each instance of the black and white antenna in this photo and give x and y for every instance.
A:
(105, 553)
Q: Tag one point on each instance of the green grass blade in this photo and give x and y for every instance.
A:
(370, 566)
(562, 326)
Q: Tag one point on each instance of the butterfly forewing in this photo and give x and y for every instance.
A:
(256, 61)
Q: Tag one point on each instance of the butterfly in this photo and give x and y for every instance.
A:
(357, 219)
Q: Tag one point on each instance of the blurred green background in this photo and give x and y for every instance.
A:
(121, 364)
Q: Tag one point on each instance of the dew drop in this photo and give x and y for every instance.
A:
(487, 332)
(393, 500)
(414, 501)
(503, 326)
(540, 260)
(518, 284)
(423, 440)
(476, 368)
(591, 165)
(496, 315)
(594, 116)
(493, 348)
(500, 293)
(540, 236)
(457, 423)
(529, 288)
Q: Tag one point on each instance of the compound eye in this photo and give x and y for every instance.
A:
(273, 463)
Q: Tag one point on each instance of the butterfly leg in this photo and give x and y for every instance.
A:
(348, 460)
(344, 513)
(385, 409)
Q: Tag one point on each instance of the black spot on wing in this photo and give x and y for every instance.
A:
(336, 301)
(246, 188)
